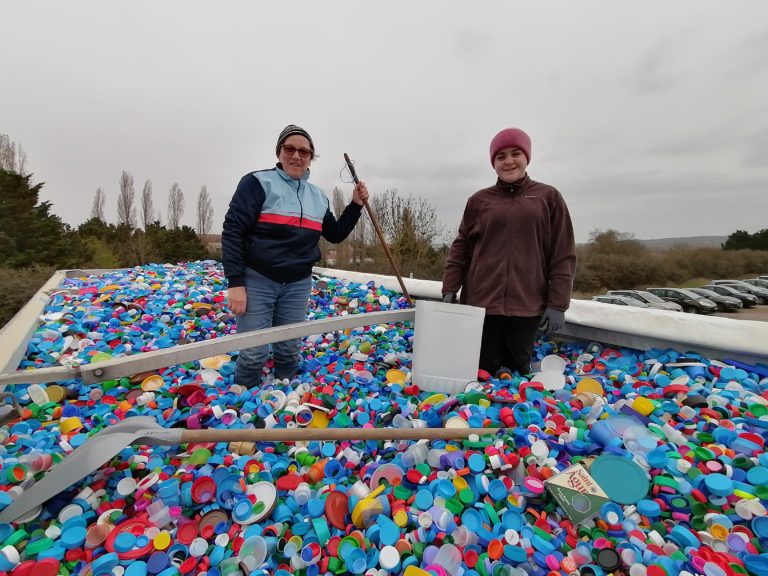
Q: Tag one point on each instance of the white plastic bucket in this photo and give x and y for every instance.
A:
(446, 346)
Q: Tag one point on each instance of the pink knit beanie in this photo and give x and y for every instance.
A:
(511, 137)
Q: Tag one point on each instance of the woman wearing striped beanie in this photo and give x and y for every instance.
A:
(269, 245)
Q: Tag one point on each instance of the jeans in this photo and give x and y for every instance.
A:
(270, 304)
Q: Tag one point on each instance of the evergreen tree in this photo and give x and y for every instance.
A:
(742, 240)
(29, 233)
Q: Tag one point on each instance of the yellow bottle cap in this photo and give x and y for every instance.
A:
(433, 400)
(401, 518)
(414, 571)
(152, 383)
(215, 362)
(718, 531)
(70, 424)
(162, 540)
(319, 419)
(589, 386)
(55, 393)
(643, 406)
(366, 509)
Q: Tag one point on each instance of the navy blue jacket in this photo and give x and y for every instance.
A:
(273, 226)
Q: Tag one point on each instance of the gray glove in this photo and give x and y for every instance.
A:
(449, 298)
(552, 320)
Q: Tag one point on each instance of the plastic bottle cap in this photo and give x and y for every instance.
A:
(608, 559)
(622, 480)
(126, 486)
(162, 540)
(719, 484)
(589, 386)
(389, 557)
(336, 508)
(760, 526)
(643, 406)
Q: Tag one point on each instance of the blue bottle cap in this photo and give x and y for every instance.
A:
(718, 484)
(476, 463)
(757, 476)
(622, 480)
(125, 541)
(389, 533)
(657, 458)
(157, 562)
(649, 508)
(497, 490)
(423, 499)
(73, 537)
(760, 526)
(756, 564)
(136, 568)
(472, 519)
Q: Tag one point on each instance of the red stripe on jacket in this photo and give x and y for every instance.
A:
(291, 221)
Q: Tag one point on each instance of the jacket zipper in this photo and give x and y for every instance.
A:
(301, 206)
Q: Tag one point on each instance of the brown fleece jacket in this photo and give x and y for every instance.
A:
(515, 254)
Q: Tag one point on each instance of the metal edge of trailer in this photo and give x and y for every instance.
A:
(637, 328)
(19, 329)
(149, 361)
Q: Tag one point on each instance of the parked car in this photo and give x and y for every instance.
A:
(651, 299)
(620, 300)
(741, 286)
(759, 282)
(724, 303)
(763, 277)
(690, 301)
(749, 300)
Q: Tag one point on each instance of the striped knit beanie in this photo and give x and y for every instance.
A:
(292, 130)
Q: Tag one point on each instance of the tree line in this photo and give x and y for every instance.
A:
(615, 260)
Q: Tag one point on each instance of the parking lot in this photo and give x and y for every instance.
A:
(756, 313)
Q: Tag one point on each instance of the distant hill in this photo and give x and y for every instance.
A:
(690, 241)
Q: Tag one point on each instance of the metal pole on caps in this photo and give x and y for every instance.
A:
(379, 233)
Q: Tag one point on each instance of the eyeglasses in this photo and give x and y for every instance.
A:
(304, 153)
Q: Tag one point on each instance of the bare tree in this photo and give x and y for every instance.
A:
(147, 205)
(342, 250)
(396, 212)
(359, 240)
(12, 156)
(204, 212)
(99, 200)
(126, 201)
(411, 227)
(175, 206)
(21, 160)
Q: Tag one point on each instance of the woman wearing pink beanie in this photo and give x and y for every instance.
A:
(514, 255)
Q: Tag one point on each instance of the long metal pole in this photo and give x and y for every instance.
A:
(379, 233)
(331, 434)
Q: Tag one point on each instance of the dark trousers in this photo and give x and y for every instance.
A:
(508, 341)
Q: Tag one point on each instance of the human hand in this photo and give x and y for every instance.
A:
(237, 300)
(449, 298)
(360, 193)
(552, 320)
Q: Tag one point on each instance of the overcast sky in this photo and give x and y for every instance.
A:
(650, 117)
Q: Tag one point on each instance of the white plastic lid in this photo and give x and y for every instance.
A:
(126, 486)
(553, 363)
(389, 557)
(551, 379)
(70, 511)
(449, 557)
